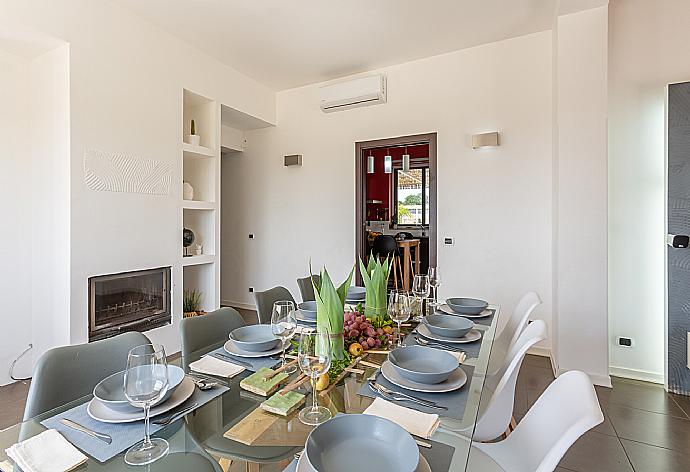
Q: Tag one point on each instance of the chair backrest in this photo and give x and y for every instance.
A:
(266, 299)
(200, 334)
(306, 289)
(495, 417)
(64, 374)
(384, 245)
(566, 410)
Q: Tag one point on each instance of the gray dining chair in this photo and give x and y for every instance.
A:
(64, 374)
(266, 299)
(306, 289)
(201, 334)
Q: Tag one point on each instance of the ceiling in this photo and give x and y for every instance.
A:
(289, 43)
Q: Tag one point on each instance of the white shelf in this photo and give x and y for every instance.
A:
(198, 205)
(197, 151)
(197, 260)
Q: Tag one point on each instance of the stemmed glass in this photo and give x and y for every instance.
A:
(283, 326)
(146, 382)
(434, 282)
(421, 287)
(314, 358)
(399, 309)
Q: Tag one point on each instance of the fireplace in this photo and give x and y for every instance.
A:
(129, 301)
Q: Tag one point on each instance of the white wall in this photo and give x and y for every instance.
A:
(581, 189)
(16, 195)
(649, 46)
(126, 80)
(496, 203)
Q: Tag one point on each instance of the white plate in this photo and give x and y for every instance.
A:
(304, 319)
(231, 348)
(304, 466)
(456, 380)
(472, 336)
(446, 309)
(99, 412)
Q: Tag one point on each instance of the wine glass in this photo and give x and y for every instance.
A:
(283, 326)
(434, 282)
(146, 382)
(399, 309)
(421, 287)
(314, 358)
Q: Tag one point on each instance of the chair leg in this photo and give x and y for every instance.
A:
(395, 273)
(513, 424)
(252, 467)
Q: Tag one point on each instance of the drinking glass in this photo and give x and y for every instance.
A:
(421, 287)
(283, 325)
(434, 282)
(314, 359)
(146, 382)
(399, 309)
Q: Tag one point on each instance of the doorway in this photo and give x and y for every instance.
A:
(396, 195)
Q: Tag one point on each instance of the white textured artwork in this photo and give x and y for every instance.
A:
(115, 172)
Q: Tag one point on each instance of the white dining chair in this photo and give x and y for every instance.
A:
(508, 335)
(566, 410)
(496, 413)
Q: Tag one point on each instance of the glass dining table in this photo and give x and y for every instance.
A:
(232, 431)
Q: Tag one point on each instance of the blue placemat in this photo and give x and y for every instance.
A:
(455, 401)
(256, 363)
(124, 435)
(439, 457)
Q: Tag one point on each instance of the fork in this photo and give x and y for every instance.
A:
(424, 342)
(174, 416)
(398, 396)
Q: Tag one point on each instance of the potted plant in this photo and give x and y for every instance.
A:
(192, 137)
(191, 300)
(330, 305)
(375, 277)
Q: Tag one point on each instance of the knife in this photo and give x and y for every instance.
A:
(225, 358)
(94, 434)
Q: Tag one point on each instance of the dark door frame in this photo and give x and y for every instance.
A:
(360, 191)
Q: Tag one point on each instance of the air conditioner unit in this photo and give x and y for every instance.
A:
(353, 93)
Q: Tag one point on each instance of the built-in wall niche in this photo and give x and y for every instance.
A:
(200, 173)
(204, 112)
(203, 223)
(201, 278)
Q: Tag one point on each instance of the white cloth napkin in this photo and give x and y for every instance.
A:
(213, 366)
(46, 452)
(414, 422)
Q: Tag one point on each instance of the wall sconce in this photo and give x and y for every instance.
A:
(387, 164)
(370, 164)
(485, 140)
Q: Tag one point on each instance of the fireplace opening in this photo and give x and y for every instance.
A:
(129, 301)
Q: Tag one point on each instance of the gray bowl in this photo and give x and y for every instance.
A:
(423, 364)
(308, 309)
(381, 444)
(467, 306)
(111, 390)
(450, 326)
(254, 338)
(356, 293)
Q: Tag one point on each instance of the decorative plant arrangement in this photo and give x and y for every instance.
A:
(375, 277)
(330, 305)
(191, 300)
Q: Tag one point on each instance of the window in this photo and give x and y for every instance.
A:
(412, 197)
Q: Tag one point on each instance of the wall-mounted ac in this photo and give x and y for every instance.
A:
(353, 93)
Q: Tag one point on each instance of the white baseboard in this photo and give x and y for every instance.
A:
(245, 306)
(636, 374)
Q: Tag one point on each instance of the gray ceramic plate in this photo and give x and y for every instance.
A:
(308, 310)
(99, 412)
(382, 444)
(231, 348)
(456, 380)
(466, 306)
(254, 338)
(356, 293)
(304, 319)
(450, 326)
(472, 336)
(447, 310)
(423, 364)
(111, 390)
(304, 466)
